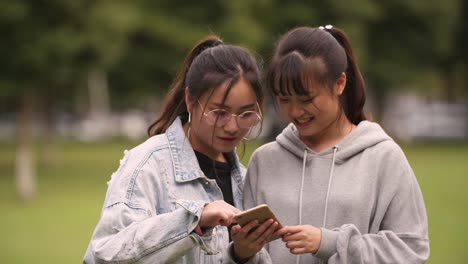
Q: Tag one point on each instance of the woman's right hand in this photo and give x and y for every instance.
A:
(301, 239)
(217, 213)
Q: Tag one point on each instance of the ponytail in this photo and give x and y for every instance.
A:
(354, 96)
(174, 102)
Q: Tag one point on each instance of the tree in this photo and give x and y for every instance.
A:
(410, 44)
(48, 49)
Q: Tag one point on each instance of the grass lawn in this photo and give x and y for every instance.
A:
(56, 227)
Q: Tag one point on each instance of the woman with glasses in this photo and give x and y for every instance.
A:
(173, 198)
(340, 185)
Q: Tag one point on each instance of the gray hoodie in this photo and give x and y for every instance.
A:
(362, 193)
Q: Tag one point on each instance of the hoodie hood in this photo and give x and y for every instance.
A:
(365, 135)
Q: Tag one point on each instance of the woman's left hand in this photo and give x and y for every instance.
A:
(301, 239)
(250, 239)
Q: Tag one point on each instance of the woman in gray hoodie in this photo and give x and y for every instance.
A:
(340, 185)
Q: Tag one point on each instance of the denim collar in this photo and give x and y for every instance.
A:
(185, 162)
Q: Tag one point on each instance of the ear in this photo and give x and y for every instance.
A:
(188, 101)
(340, 84)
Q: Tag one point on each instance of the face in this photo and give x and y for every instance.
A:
(315, 115)
(214, 140)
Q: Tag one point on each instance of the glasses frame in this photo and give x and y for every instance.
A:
(257, 113)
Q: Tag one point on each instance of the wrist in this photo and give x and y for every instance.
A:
(198, 230)
(236, 257)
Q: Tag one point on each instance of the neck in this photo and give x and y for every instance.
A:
(329, 136)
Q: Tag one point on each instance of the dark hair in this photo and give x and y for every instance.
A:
(209, 64)
(307, 56)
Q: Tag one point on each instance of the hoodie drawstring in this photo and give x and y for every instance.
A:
(335, 148)
(304, 161)
(330, 178)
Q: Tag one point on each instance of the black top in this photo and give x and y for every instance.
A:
(219, 171)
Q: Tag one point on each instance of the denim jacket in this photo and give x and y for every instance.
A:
(154, 202)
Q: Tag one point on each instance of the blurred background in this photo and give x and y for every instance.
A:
(81, 80)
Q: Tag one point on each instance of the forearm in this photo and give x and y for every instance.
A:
(129, 235)
(348, 245)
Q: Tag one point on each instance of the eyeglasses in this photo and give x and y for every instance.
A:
(220, 117)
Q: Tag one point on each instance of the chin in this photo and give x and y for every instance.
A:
(225, 148)
(306, 132)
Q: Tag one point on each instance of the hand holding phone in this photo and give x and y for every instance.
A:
(261, 213)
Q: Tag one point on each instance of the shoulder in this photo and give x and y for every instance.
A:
(396, 173)
(266, 153)
(146, 150)
(375, 140)
(392, 161)
(137, 157)
(267, 148)
(137, 168)
(390, 150)
(151, 144)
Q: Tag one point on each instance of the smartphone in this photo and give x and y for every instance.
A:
(261, 213)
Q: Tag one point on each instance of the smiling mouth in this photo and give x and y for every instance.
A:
(303, 122)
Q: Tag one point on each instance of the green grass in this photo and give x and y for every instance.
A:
(442, 172)
(57, 225)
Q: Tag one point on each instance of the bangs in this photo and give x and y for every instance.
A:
(295, 75)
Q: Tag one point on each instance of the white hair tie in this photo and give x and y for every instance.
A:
(328, 27)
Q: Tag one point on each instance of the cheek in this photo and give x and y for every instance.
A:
(285, 108)
(203, 130)
(334, 107)
(207, 131)
(243, 132)
(328, 105)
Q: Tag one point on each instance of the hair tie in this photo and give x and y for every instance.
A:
(327, 27)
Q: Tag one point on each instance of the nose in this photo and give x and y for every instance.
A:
(295, 110)
(231, 126)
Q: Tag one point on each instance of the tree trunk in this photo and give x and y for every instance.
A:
(49, 155)
(447, 75)
(25, 168)
(376, 100)
(98, 93)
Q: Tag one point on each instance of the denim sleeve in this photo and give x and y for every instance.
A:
(128, 235)
(130, 230)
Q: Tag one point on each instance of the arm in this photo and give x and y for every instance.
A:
(402, 235)
(131, 230)
(350, 246)
(397, 231)
(128, 235)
